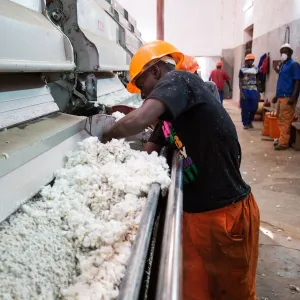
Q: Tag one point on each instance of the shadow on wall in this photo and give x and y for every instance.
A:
(233, 60)
(228, 63)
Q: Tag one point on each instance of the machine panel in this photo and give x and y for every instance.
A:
(35, 5)
(101, 30)
(32, 43)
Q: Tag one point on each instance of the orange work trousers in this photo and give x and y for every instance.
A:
(285, 115)
(220, 252)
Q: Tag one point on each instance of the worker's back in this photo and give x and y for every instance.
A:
(213, 88)
(218, 76)
(202, 125)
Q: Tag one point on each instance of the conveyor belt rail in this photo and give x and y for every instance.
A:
(168, 285)
(170, 267)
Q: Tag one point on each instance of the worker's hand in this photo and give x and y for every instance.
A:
(276, 67)
(230, 89)
(154, 124)
(105, 138)
(242, 96)
(146, 135)
(274, 100)
(292, 100)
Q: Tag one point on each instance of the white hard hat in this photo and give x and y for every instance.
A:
(286, 45)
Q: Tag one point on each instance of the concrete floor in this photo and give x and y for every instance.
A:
(275, 181)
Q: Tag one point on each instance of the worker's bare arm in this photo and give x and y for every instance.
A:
(149, 147)
(137, 120)
(276, 68)
(229, 85)
(294, 98)
(241, 89)
(257, 81)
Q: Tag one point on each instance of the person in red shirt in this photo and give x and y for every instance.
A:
(219, 76)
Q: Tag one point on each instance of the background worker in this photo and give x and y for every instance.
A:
(190, 64)
(221, 218)
(219, 76)
(248, 91)
(287, 93)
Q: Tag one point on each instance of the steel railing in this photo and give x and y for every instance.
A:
(131, 283)
(170, 266)
(169, 281)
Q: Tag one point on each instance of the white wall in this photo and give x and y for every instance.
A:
(200, 27)
(266, 15)
(196, 27)
(271, 14)
(248, 17)
(229, 17)
(205, 27)
(238, 23)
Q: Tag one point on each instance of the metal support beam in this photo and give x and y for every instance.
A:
(160, 11)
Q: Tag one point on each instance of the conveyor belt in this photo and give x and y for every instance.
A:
(130, 288)
(155, 267)
(170, 268)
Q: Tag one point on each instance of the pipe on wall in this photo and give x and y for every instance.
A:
(160, 30)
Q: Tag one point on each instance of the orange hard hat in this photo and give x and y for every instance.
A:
(219, 64)
(189, 64)
(250, 57)
(145, 55)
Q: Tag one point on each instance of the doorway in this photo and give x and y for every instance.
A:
(248, 38)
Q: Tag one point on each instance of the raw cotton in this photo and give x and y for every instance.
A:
(118, 115)
(36, 258)
(82, 228)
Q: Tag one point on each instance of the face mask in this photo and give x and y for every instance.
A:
(284, 57)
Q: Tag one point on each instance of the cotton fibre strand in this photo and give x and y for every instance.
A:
(74, 241)
(118, 115)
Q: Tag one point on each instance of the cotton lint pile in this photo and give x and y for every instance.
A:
(118, 115)
(74, 241)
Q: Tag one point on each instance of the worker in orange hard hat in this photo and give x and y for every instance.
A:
(249, 95)
(221, 218)
(149, 55)
(189, 64)
(219, 76)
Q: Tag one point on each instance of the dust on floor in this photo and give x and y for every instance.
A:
(275, 181)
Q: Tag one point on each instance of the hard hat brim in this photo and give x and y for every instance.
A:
(177, 56)
(131, 88)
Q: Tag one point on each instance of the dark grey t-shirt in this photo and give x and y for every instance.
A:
(197, 124)
(213, 88)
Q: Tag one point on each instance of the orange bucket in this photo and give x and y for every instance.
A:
(274, 128)
(266, 129)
